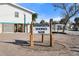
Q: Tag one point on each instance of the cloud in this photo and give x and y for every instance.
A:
(57, 18)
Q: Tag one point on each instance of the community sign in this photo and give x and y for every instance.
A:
(41, 29)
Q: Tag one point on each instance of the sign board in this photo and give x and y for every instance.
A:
(41, 30)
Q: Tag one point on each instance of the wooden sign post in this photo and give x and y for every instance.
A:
(42, 38)
(51, 33)
(39, 29)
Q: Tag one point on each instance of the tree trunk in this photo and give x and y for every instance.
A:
(31, 35)
(64, 28)
(67, 19)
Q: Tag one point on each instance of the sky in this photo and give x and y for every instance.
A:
(45, 11)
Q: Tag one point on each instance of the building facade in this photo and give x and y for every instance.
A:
(14, 18)
(57, 27)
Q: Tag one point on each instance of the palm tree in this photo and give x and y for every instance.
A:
(34, 16)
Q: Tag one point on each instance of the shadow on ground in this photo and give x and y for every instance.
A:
(18, 42)
(39, 46)
(75, 49)
(59, 33)
(25, 43)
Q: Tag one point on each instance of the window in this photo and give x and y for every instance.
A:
(16, 14)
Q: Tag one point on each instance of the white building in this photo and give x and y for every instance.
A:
(57, 28)
(13, 17)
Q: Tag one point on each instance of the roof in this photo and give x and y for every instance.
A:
(19, 7)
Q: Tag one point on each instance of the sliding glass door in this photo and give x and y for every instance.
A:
(19, 27)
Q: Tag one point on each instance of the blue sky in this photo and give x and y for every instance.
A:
(45, 11)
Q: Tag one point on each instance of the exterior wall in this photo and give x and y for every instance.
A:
(0, 28)
(7, 15)
(28, 28)
(56, 28)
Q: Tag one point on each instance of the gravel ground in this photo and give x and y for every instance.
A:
(17, 44)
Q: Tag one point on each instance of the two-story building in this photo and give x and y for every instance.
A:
(14, 18)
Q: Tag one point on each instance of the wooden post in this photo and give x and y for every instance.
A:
(17, 28)
(24, 22)
(50, 33)
(42, 38)
(31, 35)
